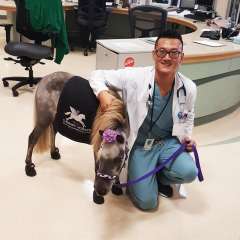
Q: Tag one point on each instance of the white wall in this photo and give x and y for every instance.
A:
(2, 12)
(221, 7)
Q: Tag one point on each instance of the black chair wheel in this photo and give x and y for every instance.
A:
(5, 84)
(85, 52)
(15, 93)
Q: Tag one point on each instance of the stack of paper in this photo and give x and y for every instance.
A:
(209, 43)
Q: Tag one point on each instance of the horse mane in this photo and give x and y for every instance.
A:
(114, 117)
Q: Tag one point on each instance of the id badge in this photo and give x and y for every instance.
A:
(148, 143)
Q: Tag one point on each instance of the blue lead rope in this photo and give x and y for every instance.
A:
(163, 164)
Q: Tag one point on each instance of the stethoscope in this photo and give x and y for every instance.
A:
(181, 96)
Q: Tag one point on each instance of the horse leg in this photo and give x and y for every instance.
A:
(32, 140)
(117, 190)
(54, 150)
(97, 199)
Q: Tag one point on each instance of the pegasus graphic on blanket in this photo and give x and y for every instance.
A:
(76, 115)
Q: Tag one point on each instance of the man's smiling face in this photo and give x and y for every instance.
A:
(168, 55)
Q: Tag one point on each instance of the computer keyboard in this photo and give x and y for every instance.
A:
(164, 6)
(194, 17)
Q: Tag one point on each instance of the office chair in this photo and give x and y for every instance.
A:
(7, 27)
(73, 32)
(28, 54)
(92, 19)
(146, 21)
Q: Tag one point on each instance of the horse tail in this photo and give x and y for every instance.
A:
(43, 142)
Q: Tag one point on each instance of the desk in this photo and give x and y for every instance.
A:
(120, 15)
(170, 19)
(215, 70)
(9, 5)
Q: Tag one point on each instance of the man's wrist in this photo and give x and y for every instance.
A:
(102, 93)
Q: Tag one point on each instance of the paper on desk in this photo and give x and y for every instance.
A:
(174, 13)
(206, 30)
(109, 4)
(209, 43)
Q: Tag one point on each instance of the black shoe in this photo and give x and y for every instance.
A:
(165, 190)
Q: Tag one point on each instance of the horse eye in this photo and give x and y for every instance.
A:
(101, 132)
(120, 139)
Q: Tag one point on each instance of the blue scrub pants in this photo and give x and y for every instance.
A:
(182, 170)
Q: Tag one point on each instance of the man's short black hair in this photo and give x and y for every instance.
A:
(169, 34)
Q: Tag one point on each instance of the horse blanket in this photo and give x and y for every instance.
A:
(76, 110)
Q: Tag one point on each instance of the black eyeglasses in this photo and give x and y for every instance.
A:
(161, 52)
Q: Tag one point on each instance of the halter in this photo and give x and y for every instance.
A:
(110, 136)
(106, 176)
(113, 177)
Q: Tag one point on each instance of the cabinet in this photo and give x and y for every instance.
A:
(120, 53)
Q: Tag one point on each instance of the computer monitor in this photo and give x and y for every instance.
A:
(206, 5)
(204, 2)
(187, 4)
(161, 3)
(175, 2)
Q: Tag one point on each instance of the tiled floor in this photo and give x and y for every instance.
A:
(57, 203)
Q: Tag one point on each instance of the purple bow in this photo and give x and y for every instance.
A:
(110, 135)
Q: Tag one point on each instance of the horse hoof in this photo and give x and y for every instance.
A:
(117, 190)
(30, 170)
(55, 154)
(97, 199)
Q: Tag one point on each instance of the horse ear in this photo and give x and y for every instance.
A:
(101, 132)
(120, 139)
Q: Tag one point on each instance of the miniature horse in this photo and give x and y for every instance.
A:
(108, 132)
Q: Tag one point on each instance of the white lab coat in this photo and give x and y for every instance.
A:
(136, 84)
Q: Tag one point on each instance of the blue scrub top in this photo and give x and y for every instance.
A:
(163, 126)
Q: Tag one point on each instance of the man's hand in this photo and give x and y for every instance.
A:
(105, 99)
(189, 143)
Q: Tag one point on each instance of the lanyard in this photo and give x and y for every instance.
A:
(152, 123)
